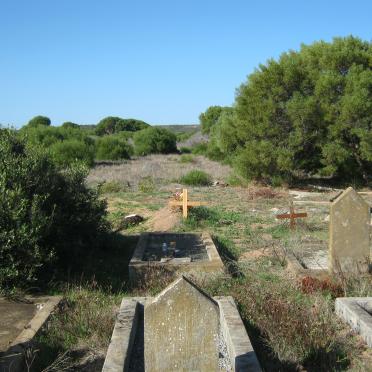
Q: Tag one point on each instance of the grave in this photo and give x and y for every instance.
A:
(349, 233)
(357, 312)
(181, 329)
(19, 323)
(184, 253)
(348, 243)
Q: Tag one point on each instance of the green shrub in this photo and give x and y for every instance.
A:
(186, 158)
(67, 152)
(146, 184)
(154, 140)
(185, 150)
(196, 178)
(46, 215)
(39, 120)
(112, 148)
(110, 187)
(200, 148)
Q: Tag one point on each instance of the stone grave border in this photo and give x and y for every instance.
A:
(296, 267)
(132, 308)
(137, 265)
(14, 357)
(352, 310)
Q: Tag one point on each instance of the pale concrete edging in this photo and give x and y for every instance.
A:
(353, 310)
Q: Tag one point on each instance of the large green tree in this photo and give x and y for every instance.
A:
(209, 118)
(114, 124)
(39, 120)
(309, 112)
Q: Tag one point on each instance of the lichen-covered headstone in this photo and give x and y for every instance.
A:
(349, 229)
(181, 329)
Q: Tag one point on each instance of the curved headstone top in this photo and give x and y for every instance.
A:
(349, 230)
(182, 326)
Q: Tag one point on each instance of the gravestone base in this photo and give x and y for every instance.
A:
(19, 323)
(196, 254)
(357, 312)
(126, 351)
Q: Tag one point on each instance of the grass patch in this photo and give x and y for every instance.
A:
(186, 158)
(146, 185)
(196, 177)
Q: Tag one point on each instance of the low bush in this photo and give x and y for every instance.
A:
(200, 148)
(186, 158)
(185, 150)
(110, 187)
(67, 152)
(47, 215)
(154, 140)
(112, 148)
(196, 178)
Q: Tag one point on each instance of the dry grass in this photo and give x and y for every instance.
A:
(161, 168)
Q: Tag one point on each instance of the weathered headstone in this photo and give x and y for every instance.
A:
(349, 233)
(182, 325)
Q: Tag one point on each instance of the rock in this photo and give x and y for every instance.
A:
(326, 218)
(219, 183)
(132, 220)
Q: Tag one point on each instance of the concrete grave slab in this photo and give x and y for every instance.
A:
(127, 348)
(349, 233)
(19, 323)
(186, 253)
(357, 312)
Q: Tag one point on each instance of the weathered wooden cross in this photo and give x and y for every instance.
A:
(291, 215)
(185, 203)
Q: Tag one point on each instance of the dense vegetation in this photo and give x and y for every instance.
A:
(154, 140)
(308, 113)
(111, 139)
(113, 124)
(47, 214)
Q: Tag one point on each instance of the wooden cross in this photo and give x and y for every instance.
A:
(292, 216)
(185, 203)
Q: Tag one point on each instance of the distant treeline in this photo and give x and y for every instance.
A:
(113, 138)
(309, 113)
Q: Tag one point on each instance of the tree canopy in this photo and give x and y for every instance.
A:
(210, 117)
(114, 124)
(310, 112)
(39, 120)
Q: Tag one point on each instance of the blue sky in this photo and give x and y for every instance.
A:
(160, 61)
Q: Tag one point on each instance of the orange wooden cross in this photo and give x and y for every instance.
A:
(292, 216)
(185, 203)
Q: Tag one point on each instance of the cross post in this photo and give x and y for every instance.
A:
(292, 216)
(185, 203)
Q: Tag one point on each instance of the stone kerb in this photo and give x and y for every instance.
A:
(349, 233)
(357, 312)
(181, 329)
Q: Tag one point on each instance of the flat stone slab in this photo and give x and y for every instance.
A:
(357, 312)
(186, 253)
(317, 261)
(14, 318)
(19, 323)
